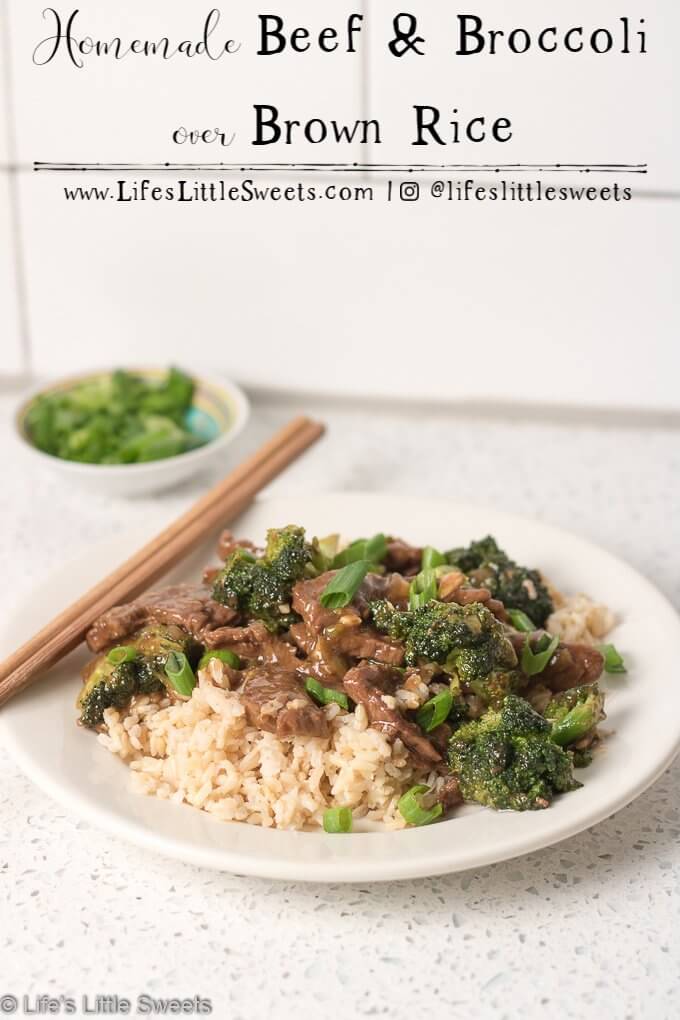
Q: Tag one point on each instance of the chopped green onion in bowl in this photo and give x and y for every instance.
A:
(337, 819)
(116, 418)
(325, 695)
(112, 447)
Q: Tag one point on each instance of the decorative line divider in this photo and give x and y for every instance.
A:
(392, 168)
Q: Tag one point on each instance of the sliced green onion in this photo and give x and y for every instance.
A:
(341, 589)
(325, 695)
(521, 621)
(351, 554)
(372, 549)
(179, 673)
(223, 654)
(613, 660)
(337, 819)
(432, 558)
(435, 711)
(121, 654)
(423, 589)
(535, 661)
(411, 810)
(376, 548)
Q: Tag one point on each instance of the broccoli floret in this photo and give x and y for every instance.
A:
(113, 686)
(575, 713)
(460, 712)
(390, 620)
(521, 588)
(517, 587)
(234, 584)
(287, 552)
(466, 641)
(154, 643)
(262, 588)
(107, 686)
(270, 600)
(508, 761)
(471, 557)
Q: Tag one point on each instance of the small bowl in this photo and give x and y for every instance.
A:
(220, 411)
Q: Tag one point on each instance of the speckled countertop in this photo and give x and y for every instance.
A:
(587, 928)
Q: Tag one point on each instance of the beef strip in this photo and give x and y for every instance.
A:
(572, 665)
(115, 625)
(227, 544)
(276, 701)
(302, 638)
(328, 655)
(440, 737)
(367, 684)
(450, 583)
(392, 587)
(326, 636)
(307, 594)
(448, 794)
(363, 642)
(496, 607)
(306, 602)
(210, 575)
(402, 557)
(453, 588)
(185, 605)
(254, 642)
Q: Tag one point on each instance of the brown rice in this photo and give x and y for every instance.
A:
(202, 750)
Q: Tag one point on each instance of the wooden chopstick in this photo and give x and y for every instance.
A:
(218, 507)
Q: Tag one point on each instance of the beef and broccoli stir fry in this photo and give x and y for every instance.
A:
(507, 711)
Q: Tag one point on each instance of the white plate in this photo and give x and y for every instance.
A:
(39, 727)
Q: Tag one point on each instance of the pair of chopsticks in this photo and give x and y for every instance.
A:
(219, 507)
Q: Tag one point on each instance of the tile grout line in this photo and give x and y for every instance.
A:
(366, 97)
(366, 68)
(18, 252)
(479, 409)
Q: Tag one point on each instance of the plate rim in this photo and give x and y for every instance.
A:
(336, 869)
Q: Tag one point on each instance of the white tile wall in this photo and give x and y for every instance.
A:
(564, 108)
(4, 104)
(567, 303)
(128, 110)
(441, 301)
(11, 358)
